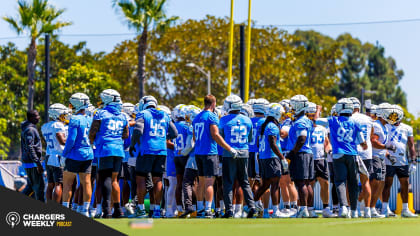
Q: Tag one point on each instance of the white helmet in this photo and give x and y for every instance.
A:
(400, 112)
(136, 108)
(260, 106)
(192, 112)
(344, 106)
(246, 110)
(251, 101)
(356, 102)
(299, 103)
(275, 110)
(146, 102)
(56, 110)
(333, 110)
(232, 103)
(90, 110)
(311, 108)
(79, 101)
(165, 109)
(374, 109)
(388, 113)
(128, 108)
(381, 108)
(110, 97)
(286, 105)
(222, 110)
(176, 112)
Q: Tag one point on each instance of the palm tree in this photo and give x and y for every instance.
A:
(35, 19)
(144, 16)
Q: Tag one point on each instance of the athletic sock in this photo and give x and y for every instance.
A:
(200, 205)
(326, 206)
(140, 206)
(86, 206)
(405, 206)
(304, 208)
(384, 206)
(310, 208)
(275, 208)
(157, 207)
(238, 208)
(66, 204)
(287, 205)
(80, 208)
(208, 206)
(99, 208)
(222, 204)
(294, 204)
(74, 207)
(194, 208)
(179, 208)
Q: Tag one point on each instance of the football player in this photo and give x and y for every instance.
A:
(55, 133)
(152, 130)
(345, 136)
(236, 129)
(381, 146)
(78, 152)
(270, 156)
(206, 135)
(300, 154)
(320, 145)
(109, 128)
(400, 135)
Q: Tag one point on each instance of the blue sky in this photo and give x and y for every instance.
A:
(400, 40)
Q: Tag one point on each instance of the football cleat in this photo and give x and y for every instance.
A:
(252, 213)
(200, 213)
(388, 213)
(354, 214)
(85, 213)
(208, 214)
(344, 212)
(375, 214)
(139, 214)
(157, 214)
(326, 213)
(128, 209)
(367, 213)
(279, 214)
(408, 214)
(312, 214)
(266, 215)
(302, 213)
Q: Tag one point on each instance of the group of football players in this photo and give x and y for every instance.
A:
(231, 161)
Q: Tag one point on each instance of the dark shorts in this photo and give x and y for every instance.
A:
(154, 164)
(400, 171)
(94, 171)
(113, 163)
(321, 169)
(270, 168)
(369, 167)
(302, 167)
(54, 174)
(180, 163)
(208, 165)
(252, 172)
(124, 172)
(331, 171)
(379, 169)
(78, 166)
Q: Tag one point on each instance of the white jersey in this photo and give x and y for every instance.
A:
(365, 123)
(318, 136)
(398, 135)
(54, 148)
(382, 132)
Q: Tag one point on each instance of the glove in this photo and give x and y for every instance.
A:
(233, 152)
(412, 168)
(284, 165)
(391, 147)
(131, 150)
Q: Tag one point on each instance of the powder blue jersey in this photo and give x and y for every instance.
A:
(285, 126)
(264, 144)
(182, 127)
(156, 124)
(302, 125)
(237, 130)
(109, 137)
(205, 145)
(77, 144)
(345, 135)
(256, 122)
(54, 148)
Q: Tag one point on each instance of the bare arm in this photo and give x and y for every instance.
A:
(126, 133)
(273, 145)
(96, 124)
(375, 142)
(284, 133)
(411, 148)
(327, 145)
(170, 144)
(214, 131)
(61, 137)
(299, 144)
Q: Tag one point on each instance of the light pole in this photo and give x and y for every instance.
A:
(208, 74)
(363, 97)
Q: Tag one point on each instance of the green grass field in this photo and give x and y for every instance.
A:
(259, 227)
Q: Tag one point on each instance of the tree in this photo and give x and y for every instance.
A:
(144, 16)
(35, 18)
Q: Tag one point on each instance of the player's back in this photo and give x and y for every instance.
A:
(205, 145)
(182, 128)
(365, 124)
(343, 132)
(236, 129)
